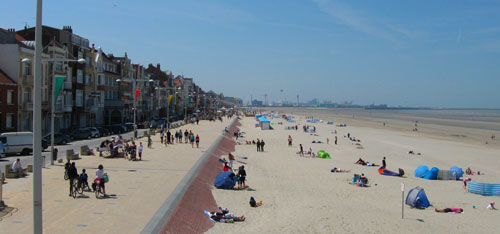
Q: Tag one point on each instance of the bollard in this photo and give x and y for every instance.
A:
(2, 178)
(43, 161)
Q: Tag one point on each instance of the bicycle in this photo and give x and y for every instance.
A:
(81, 186)
(98, 189)
(74, 189)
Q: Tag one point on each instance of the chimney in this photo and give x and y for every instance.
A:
(10, 36)
(158, 66)
(67, 29)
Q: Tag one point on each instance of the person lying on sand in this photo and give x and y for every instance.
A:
(491, 206)
(449, 210)
(254, 203)
(360, 161)
(338, 170)
(226, 217)
(368, 164)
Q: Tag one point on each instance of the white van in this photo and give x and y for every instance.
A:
(18, 142)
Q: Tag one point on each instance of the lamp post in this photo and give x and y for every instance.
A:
(135, 101)
(37, 125)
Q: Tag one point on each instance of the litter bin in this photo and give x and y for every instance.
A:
(54, 154)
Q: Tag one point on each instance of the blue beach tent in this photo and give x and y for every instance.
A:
(225, 180)
(421, 170)
(432, 174)
(417, 198)
(459, 172)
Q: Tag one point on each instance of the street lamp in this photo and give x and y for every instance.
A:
(134, 81)
(53, 101)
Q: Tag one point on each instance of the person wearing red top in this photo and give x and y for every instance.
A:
(197, 139)
(226, 167)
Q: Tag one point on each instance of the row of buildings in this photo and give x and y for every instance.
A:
(99, 89)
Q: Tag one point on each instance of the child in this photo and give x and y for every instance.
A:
(140, 150)
(83, 180)
(150, 142)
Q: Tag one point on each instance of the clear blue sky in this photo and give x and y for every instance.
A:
(442, 53)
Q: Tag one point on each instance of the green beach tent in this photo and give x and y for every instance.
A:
(323, 154)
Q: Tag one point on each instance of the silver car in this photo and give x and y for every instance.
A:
(95, 132)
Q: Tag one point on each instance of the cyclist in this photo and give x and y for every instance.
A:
(100, 176)
(83, 180)
(72, 175)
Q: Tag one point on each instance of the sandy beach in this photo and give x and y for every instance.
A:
(136, 188)
(301, 195)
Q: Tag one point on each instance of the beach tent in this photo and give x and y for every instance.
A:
(323, 154)
(417, 198)
(459, 172)
(484, 189)
(432, 174)
(264, 123)
(383, 171)
(421, 170)
(225, 180)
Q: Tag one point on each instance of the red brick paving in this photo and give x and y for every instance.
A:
(188, 216)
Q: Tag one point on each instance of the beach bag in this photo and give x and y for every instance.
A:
(106, 178)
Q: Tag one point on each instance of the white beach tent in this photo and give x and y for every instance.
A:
(264, 123)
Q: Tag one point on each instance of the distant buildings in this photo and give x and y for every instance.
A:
(97, 92)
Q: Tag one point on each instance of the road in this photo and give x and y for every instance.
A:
(75, 145)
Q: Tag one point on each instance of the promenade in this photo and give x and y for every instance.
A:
(136, 189)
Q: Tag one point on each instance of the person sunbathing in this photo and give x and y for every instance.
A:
(226, 217)
(338, 170)
(368, 164)
(449, 210)
(360, 161)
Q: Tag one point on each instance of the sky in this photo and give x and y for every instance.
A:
(424, 53)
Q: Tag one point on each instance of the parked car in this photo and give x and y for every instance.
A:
(59, 138)
(95, 132)
(115, 129)
(103, 131)
(129, 126)
(19, 142)
(124, 128)
(82, 133)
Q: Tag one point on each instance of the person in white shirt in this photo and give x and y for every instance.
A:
(17, 167)
(100, 176)
(491, 206)
(139, 148)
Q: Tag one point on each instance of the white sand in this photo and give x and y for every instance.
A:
(301, 195)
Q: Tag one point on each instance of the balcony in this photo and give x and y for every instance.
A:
(68, 85)
(28, 106)
(68, 108)
(28, 80)
(113, 103)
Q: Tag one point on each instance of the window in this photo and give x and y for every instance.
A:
(99, 80)
(59, 66)
(79, 97)
(27, 95)
(79, 76)
(9, 121)
(87, 79)
(27, 68)
(68, 99)
(10, 97)
(87, 61)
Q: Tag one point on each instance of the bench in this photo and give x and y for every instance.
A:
(9, 173)
(85, 150)
(70, 155)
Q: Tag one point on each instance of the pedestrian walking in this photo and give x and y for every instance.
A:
(383, 162)
(327, 141)
(290, 140)
(186, 136)
(231, 160)
(258, 145)
(301, 152)
(176, 135)
(180, 136)
(140, 150)
(262, 143)
(161, 137)
(192, 140)
(335, 139)
(72, 175)
(197, 141)
(150, 142)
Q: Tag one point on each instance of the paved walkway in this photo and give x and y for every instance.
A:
(137, 189)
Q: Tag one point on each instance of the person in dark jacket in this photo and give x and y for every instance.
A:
(72, 174)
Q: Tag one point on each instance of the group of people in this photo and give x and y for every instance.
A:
(72, 173)
(166, 137)
(260, 145)
(119, 147)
